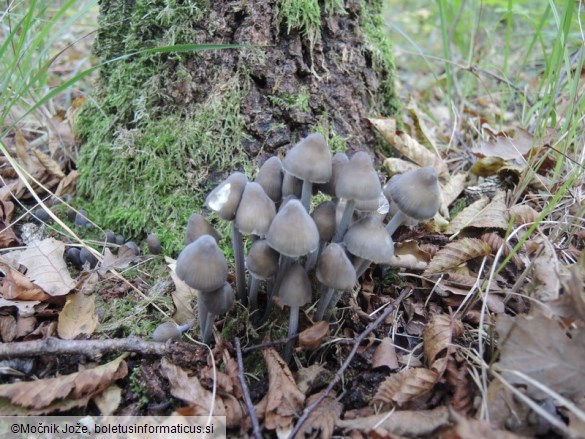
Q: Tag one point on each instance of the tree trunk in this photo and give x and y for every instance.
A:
(164, 128)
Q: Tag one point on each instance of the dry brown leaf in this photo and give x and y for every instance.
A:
(312, 337)
(7, 236)
(545, 284)
(438, 337)
(113, 262)
(29, 163)
(321, 422)
(189, 390)
(407, 146)
(313, 377)
(450, 191)
(49, 164)
(508, 148)
(67, 184)
(570, 306)
(109, 400)
(385, 355)
(415, 423)
(8, 330)
(460, 396)
(540, 348)
(407, 254)
(468, 428)
(79, 314)
(406, 385)
(482, 214)
(284, 399)
(16, 286)
(457, 253)
(422, 133)
(46, 266)
(26, 308)
(182, 297)
(398, 166)
(523, 214)
(66, 391)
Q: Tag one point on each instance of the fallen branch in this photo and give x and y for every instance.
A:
(339, 374)
(92, 348)
(249, 405)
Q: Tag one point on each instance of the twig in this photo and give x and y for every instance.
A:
(55, 346)
(338, 375)
(269, 344)
(249, 405)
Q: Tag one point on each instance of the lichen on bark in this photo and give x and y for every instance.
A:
(162, 129)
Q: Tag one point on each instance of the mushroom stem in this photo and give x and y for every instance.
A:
(253, 293)
(395, 222)
(306, 194)
(361, 265)
(184, 327)
(238, 246)
(293, 326)
(285, 263)
(345, 220)
(312, 258)
(207, 330)
(202, 313)
(323, 302)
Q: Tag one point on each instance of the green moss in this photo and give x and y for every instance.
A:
(288, 102)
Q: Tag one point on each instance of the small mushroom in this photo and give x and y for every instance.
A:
(369, 241)
(324, 217)
(291, 185)
(295, 291)
(87, 257)
(310, 161)
(202, 265)
(293, 232)
(357, 180)
(82, 220)
(255, 212)
(417, 195)
(153, 244)
(109, 237)
(337, 162)
(42, 216)
(197, 226)
(262, 263)
(216, 302)
(170, 331)
(130, 247)
(270, 178)
(224, 200)
(72, 254)
(336, 273)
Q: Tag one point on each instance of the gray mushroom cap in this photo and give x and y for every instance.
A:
(198, 226)
(291, 185)
(335, 270)
(310, 159)
(337, 162)
(324, 217)
(369, 239)
(225, 198)
(270, 178)
(218, 301)
(293, 232)
(202, 265)
(416, 193)
(255, 212)
(262, 260)
(358, 179)
(295, 289)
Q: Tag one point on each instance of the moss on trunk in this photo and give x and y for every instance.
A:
(162, 129)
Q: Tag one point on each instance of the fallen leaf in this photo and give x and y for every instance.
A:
(284, 399)
(7, 328)
(313, 377)
(109, 400)
(7, 236)
(570, 306)
(407, 423)
(16, 286)
(407, 146)
(523, 214)
(468, 428)
(46, 266)
(486, 166)
(450, 191)
(79, 314)
(438, 337)
(113, 262)
(545, 284)
(312, 337)
(67, 184)
(540, 348)
(398, 166)
(407, 254)
(26, 308)
(321, 422)
(385, 355)
(508, 148)
(50, 165)
(406, 385)
(63, 392)
(457, 253)
(482, 214)
(182, 298)
(188, 389)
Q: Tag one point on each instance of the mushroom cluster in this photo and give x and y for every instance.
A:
(290, 240)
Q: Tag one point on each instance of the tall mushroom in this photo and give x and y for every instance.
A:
(262, 263)
(295, 291)
(224, 200)
(336, 273)
(216, 302)
(416, 193)
(357, 180)
(197, 226)
(203, 267)
(310, 161)
(270, 178)
(368, 241)
(324, 217)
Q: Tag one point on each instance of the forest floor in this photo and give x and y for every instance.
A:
(473, 332)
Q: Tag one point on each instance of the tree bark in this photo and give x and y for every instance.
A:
(175, 123)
